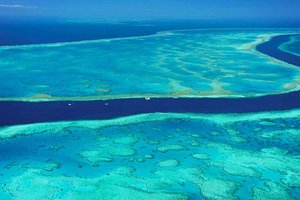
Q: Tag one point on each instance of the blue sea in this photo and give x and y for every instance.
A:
(149, 110)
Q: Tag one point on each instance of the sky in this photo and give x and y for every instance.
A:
(152, 9)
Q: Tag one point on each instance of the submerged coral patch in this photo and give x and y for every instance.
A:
(216, 189)
(33, 184)
(201, 156)
(168, 163)
(95, 156)
(127, 158)
(171, 147)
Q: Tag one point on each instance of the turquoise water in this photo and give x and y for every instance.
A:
(192, 63)
(293, 46)
(167, 156)
(154, 156)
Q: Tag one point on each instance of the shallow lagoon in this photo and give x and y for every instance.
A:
(151, 156)
(191, 63)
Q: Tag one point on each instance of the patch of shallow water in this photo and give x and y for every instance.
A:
(154, 156)
(193, 63)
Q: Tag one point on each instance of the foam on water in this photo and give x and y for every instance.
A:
(190, 63)
(154, 156)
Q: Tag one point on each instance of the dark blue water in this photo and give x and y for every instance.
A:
(20, 33)
(271, 48)
(30, 112)
(24, 31)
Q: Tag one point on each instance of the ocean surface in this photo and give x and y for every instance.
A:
(18, 31)
(149, 113)
(188, 63)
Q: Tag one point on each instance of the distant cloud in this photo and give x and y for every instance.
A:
(15, 6)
